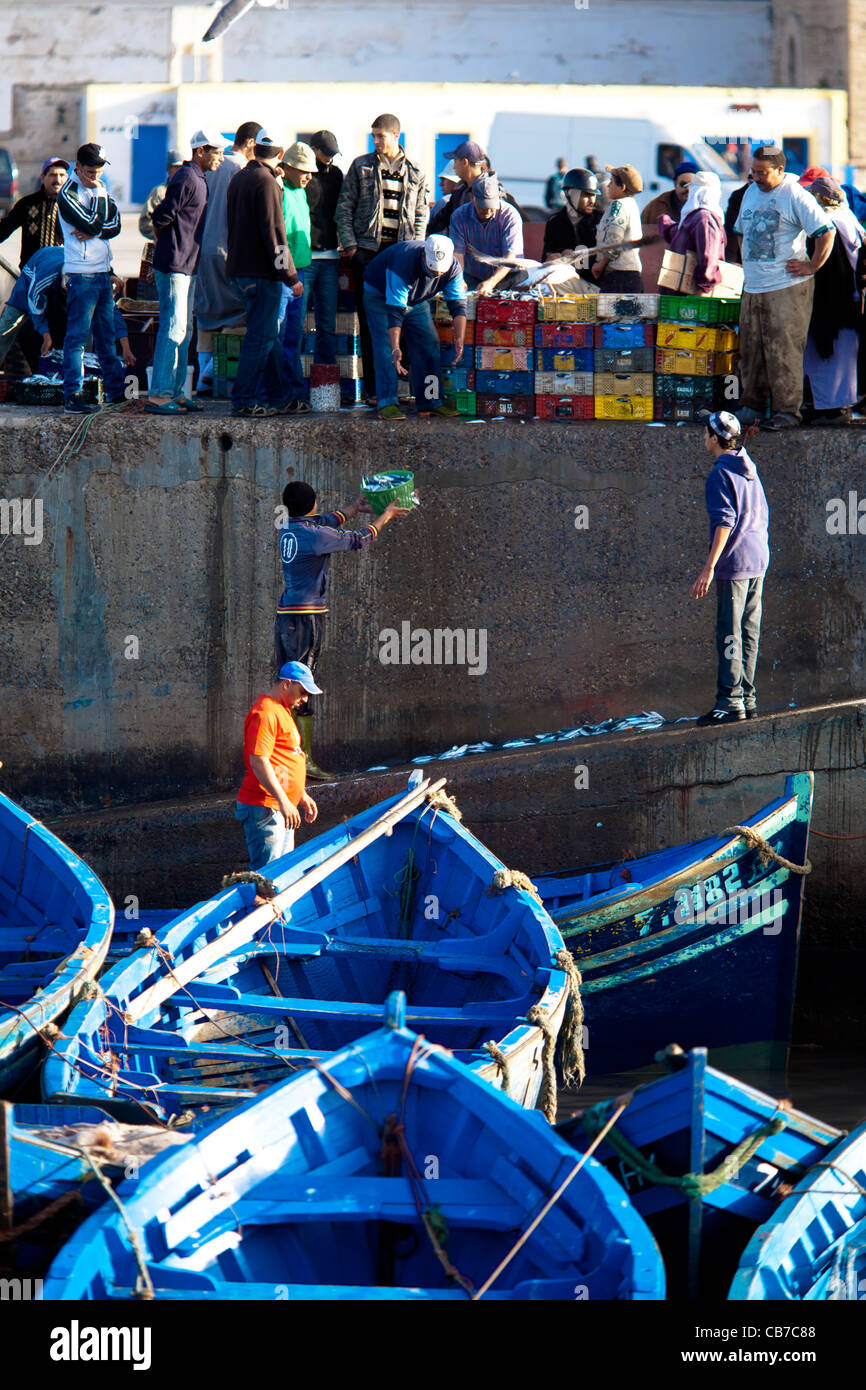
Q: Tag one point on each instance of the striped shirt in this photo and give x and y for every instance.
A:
(392, 196)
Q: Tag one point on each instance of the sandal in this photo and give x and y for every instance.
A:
(187, 405)
(170, 408)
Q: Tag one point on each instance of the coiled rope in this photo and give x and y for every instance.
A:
(547, 1096)
(766, 853)
(571, 1060)
(443, 802)
(514, 878)
(501, 1061)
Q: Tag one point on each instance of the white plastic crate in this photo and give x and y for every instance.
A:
(563, 383)
(628, 306)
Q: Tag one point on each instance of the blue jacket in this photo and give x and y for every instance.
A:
(178, 222)
(735, 498)
(38, 278)
(400, 275)
(306, 547)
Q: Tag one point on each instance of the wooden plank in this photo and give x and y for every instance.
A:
(7, 1201)
(260, 917)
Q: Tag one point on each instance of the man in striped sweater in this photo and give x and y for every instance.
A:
(90, 219)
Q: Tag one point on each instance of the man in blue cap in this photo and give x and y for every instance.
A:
(273, 794)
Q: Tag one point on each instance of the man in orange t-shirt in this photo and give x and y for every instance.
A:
(272, 795)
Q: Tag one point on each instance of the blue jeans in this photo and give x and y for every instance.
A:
(89, 305)
(291, 331)
(321, 282)
(176, 294)
(261, 378)
(267, 835)
(738, 633)
(422, 344)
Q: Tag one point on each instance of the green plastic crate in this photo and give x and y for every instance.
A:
(382, 488)
(228, 345)
(226, 366)
(689, 308)
(464, 401)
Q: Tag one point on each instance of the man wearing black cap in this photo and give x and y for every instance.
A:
(384, 199)
(36, 214)
(321, 278)
(738, 558)
(90, 219)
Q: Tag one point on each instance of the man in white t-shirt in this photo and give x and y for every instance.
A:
(776, 216)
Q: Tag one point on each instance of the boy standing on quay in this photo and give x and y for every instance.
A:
(738, 558)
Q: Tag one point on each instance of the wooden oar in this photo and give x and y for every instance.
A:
(247, 927)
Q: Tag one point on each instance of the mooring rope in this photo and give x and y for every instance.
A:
(571, 1060)
(144, 1283)
(443, 802)
(514, 878)
(766, 853)
(501, 1061)
(538, 1016)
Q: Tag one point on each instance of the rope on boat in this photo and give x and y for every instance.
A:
(501, 1061)
(538, 1016)
(514, 878)
(691, 1184)
(265, 888)
(443, 802)
(766, 853)
(144, 1283)
(841, 1171)
(34, 1222)
(571, 1059)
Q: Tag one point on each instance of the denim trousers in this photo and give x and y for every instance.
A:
(738, 634)
(321, 283)
(90, 306)
(176, 297)
(291, 334)
(267, 836)
(422, 345)
(261, 378)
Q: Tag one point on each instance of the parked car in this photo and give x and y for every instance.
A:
(8, 180)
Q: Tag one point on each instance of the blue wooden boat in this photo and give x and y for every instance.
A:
(233, 995)
(697, 943)
(55, 926)
(705, 1160)
(50, 1161)
(814, 1246)
(393, 1172)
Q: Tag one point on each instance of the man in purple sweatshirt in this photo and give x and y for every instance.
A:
(738, 558)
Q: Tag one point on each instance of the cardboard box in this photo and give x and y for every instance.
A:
(677, 273)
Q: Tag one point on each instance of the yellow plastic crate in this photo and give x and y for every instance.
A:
(442, 314)
(697, 337)
(618, 384)
(624, 407)
(567, 308)
(680, 362)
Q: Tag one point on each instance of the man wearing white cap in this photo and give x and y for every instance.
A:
(178, 222)
(449, 179)
(398, 286)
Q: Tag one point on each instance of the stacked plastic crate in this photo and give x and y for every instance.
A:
(458, 382)
(624, 356)
(226, 355)
(348, 343)
(697, 354)
(505, 357)
(565, 357)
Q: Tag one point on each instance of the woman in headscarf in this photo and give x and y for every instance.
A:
(830, 359)
(618, 271)
(701, 229)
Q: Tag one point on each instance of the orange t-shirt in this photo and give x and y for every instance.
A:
(270, 732)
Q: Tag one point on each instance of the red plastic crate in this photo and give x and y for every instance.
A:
(445, 333)
(564, 335)
(523, 407)
(565, 407)
(513, 311)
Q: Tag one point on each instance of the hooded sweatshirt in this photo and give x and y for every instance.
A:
(735, 498)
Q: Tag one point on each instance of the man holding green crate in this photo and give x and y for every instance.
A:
(307, 542)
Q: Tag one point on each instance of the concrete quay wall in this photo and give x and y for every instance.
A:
(139, 630)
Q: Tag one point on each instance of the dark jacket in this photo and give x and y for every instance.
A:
(732, 212)
(560, 234)
(836, 302)
(36, 215)
(178, 221)
(257, 230)
(306, 546)
(401, 276)
(323, 193)
(735, 498)
(359, 209)
(462, 193)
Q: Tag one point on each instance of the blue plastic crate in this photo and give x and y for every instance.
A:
(505, 383)
(564, 359)
(625, 333)
(458, 379)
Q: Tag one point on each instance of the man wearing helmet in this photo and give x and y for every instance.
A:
(575, 223)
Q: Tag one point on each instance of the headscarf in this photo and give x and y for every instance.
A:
(850, 232)
(705, 191)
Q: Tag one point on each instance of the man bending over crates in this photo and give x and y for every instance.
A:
(307, 542)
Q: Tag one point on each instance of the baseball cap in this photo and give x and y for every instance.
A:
(485, 192)
(722, 423)
(174, 157)
(468, 150)
(815, 171)
(326, 141)
(91, 155)
(628, 176)
(51, 163)
(267, 141)
(298, 671)
(300, 156)
(208, 136)
(438, 253)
